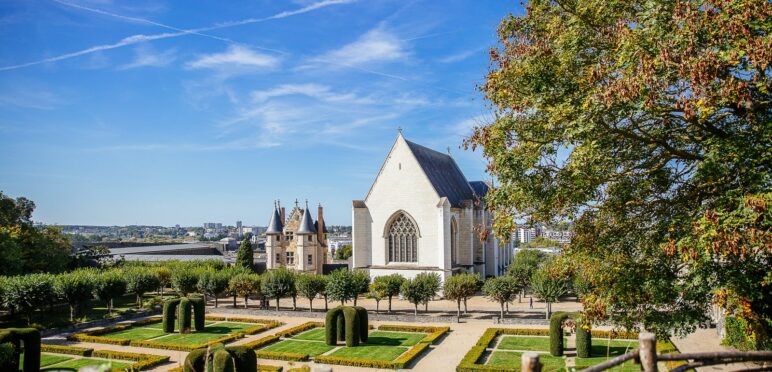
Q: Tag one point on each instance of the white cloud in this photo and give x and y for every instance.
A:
(235, 57)
(320, 92)
(147, 58)
(375, 46)
(459, 56)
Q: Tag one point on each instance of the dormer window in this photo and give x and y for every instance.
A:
(288, 235)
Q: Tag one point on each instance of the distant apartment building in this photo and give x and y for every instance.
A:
(296, 242)
(212, 226)
(560, 236)
(526, 234)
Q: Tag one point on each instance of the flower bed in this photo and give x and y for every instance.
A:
(502, 359)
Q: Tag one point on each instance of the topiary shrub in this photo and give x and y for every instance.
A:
(169, 315)
(364, 324)
(199, 313)
(351, 317)
(184, 315)
(346, 323)
(31, 339)
(221, 359)
(583, 341)
(556, 333)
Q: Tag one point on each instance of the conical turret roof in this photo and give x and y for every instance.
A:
(306, 223)
(276, 226)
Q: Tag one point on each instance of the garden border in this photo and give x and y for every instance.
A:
(95, 335)
(141, 360)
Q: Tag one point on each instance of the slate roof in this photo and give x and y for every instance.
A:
(443, 173)
(480, 188)
(276, 226)
(306, 223)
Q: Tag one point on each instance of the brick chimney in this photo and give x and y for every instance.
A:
(320, 225)
(283, 219)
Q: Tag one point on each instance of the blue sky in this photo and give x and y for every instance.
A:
(180, 112)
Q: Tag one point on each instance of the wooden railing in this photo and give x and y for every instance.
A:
(647, 357)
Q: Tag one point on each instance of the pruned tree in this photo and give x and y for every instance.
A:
(109, 285)
(391, 285)
(502, 289)
(310, 285)
(278, 283)
(245, 285)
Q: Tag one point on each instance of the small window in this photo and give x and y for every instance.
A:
(288, 235)
(290, 258)
(310, 238)
(278, 258)
(310, 259)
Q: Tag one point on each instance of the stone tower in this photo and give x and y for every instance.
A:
(298, 243)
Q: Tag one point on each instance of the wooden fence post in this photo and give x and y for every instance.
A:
(530, 362)
(648, 351)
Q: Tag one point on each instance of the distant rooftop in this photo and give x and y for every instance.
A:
(159, 248)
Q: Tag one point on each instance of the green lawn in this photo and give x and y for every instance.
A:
(603, 350)
(159, 325)
(370, 352)
(189, 338)
(316, 334)
(136, 334)
(83, 362)
(526, 343)
(511, 359)
(384, 338)
(46, 359)
(311, 348)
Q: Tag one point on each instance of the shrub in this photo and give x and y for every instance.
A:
(354, 362)
(169, 314)
(583, 342)
(409, 355)
(744, 335)
(245, 358)
(199, 313)
(8, 360)
(556, 333)
(150, 320)
(98, 339)
(615, 334)
(184, 311)
(222, 360)
(61, 349)
(268, 368)
(30, 337)
(143, 361)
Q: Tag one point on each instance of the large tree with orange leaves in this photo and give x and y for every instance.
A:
(646, 123)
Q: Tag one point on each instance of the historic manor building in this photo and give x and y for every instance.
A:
(421, 214)
(297, 243)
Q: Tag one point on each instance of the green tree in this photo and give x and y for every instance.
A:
(540, 242)
(310, 285)
(245, 285)
(361, 282)
(245, 257)
(108, 285)
(391, 284)
(431, 283)
(524, 264)
(340, 286)
(501, 289)
(164, 276)
(460, 287)
(213, 283)
(10, 251)
(377, 291)
(634, 120)
(27, 293)
(278, 283)
(344, 252)
(140, 281)
(414, 292)
(185, 280)
(548, 288)
(75, 288)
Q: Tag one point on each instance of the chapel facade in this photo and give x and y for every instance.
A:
(422, 215)
(298, 242)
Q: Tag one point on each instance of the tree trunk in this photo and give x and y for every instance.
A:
(507, 307)
(389, 304)
(72, 312)
(277, 304)
(355, 300)
(162, 292)
(294, 303)
(215, 301)
(234, 301)
(502, 310)
(246, 301)
(416, 310)
(377, 303)
(310, 305)
(426, 307)
(139, 300)
(110, 307)
(519, 297)
(465, 309)
(458, 303)
(547, 311)
(325, 303)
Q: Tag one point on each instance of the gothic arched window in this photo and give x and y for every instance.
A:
(453, 241)
(402, 237)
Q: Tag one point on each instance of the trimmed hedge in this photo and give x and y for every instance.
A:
(61, 349)
(82, 337)
(169, 314)
(199, 313)
(556, 332)
(31, 339)
(262, 342)
(583, 342)
(615, 335)
(346, 322)
(110, 329)
(469, 361)
(410, 354)
(299, 329)
(364, 324)
(355, 362)
(148, 321)
(434, 333)
(222, 360)
(269, 368)
(195, 361)
(184, 311)
(245, 357)
(235, 358)
(143, 361)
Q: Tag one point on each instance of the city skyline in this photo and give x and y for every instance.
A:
(119, 113)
